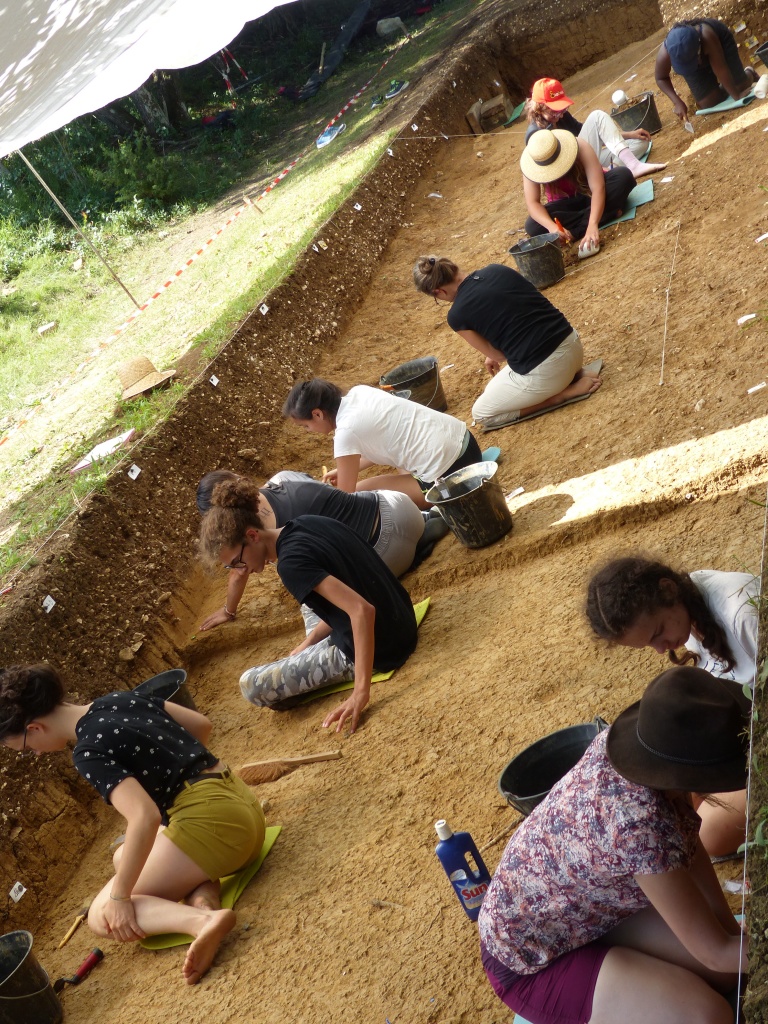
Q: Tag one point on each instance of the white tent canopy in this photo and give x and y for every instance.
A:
(63, 58)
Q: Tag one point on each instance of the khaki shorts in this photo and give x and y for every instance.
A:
(218, 823)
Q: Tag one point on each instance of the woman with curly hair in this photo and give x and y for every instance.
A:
(366, 619)
(146, 757)
(639, 602)
(387, 520)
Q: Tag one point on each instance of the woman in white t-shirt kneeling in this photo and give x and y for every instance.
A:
(374, 428)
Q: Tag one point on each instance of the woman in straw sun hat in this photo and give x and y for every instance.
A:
(605, 905)
(577, 190)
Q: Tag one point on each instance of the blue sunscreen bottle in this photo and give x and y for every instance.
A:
(470, 884)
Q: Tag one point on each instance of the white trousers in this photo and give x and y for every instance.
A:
(604, 136)
(509, 392)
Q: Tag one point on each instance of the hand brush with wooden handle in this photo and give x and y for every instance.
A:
(257, 772)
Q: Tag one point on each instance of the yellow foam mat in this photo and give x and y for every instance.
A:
(419, 610)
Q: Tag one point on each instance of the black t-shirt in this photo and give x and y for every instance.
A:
(311, 548)
(567, 122)
(293, 498)
(511, 313)
(127, 735)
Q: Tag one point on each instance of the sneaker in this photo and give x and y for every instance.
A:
(377, 101)
(329, 135)
(395, 88)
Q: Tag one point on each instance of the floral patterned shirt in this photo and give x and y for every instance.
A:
(567, 875)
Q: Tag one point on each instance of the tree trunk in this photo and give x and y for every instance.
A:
(152, 112)
(118, 120)
(168, 86)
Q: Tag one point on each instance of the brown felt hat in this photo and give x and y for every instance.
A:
(138, 376)
(688, 731)
(549, 155)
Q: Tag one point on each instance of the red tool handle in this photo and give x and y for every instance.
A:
(86, 966)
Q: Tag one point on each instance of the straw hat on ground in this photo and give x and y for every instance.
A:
(549, 155)
(138, 376)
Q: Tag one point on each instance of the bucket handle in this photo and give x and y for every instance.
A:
(29, 995)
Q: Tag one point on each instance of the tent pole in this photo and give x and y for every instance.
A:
(77, 228)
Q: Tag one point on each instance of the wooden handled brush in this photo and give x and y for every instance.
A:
(257, 772)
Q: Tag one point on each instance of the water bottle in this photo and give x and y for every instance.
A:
(469, 883)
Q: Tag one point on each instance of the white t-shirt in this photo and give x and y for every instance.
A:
(393, 431)
(732, 598)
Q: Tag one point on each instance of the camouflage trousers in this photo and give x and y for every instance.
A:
(280, 684)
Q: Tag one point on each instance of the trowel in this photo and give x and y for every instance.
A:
(689, 127)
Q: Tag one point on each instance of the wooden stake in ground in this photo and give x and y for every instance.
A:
(257, 772)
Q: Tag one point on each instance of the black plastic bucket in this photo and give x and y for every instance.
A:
(642, 114)
(473, 505)
(422, 378)
(540, 259)
(26, 994)
(170, 685)
(534, 771)
(762, 53)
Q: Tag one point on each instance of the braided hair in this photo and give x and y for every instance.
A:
(626, 588)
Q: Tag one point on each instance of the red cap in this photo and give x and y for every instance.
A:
(550, 92)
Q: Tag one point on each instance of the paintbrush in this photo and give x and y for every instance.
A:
(81, 916)
(257, 772)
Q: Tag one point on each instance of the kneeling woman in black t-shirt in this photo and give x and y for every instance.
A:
(508, 320)
(366, 617)
(146, 758)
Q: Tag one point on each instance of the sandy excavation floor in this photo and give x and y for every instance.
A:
(504, 654)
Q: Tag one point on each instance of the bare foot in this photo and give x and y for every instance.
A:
(585, 385)
(589, 374)
(207, 896)
(648, 169)
(202, 951)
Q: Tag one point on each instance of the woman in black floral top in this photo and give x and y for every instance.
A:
(147, 759)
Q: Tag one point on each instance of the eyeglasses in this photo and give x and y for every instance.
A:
(23, 752)
(238, 563)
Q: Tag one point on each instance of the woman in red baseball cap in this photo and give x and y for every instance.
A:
(548, 108)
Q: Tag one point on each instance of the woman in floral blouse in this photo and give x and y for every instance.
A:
(605, 906)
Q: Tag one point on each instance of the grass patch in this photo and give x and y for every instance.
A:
(201, 309)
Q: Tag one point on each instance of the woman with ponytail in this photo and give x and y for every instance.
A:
(640, 602)
(366, 619)
(508, 320)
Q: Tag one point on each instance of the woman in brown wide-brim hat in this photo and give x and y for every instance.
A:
(576, 189)
(605, 905)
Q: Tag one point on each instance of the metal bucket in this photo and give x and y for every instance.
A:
(170, 685)
(26, 994)
(473, 505)
(422, 378)
(642, 114)
(531, 774)
(540, 259)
